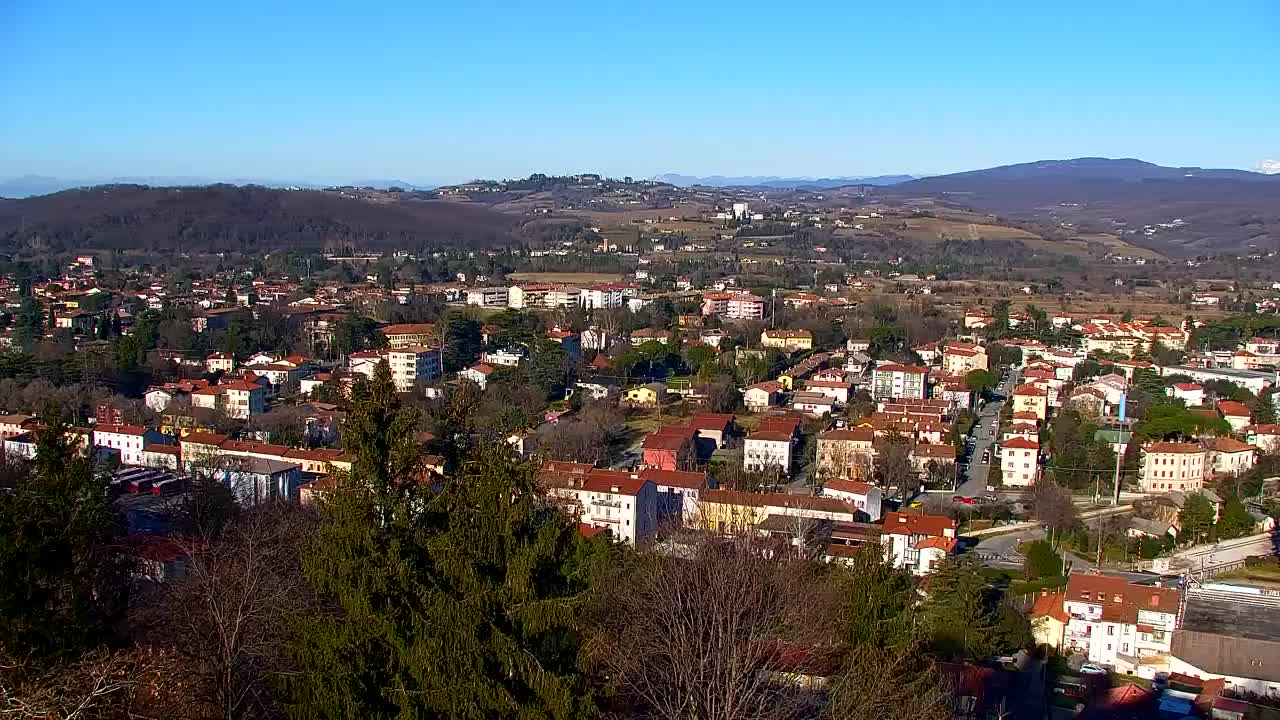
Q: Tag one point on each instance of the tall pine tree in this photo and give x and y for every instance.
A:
(454, 602)
(64, 575)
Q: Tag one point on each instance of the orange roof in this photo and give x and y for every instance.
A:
(944, 544)
(1173, 447)
(848, 486)
(1051, 605)
(1232, 408)
(770, 436)
(1030, 391)
(240, 385)
(616, 482)
(163, 449)
(896, 367)
(407, 329)
(121, 429)
(1021, 443)
(857, 435)
(203, 438)
(1229, 445)
(896, 523)
(1119, 598)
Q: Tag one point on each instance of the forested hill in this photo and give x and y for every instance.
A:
(227, 218)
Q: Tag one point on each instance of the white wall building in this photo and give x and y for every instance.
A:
(767, 449)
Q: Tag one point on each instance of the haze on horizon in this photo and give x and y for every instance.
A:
(428, 93)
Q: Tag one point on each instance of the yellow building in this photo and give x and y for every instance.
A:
(645, 395)
(787, 340)
(1029, 398)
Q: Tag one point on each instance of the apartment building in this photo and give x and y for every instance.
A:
(1020, 461)
(1118, 624)
(765, 449)
(1031, 399)
(129, 440)
(624, 503)
(863, 497)
(917, 542)
(899, 381)
(409, 365)
(846, 453)
(1173, 466)
(487, 297)
(787, 340)
(408, 334)
(960, 358)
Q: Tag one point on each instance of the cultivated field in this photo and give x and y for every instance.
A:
(566, 278)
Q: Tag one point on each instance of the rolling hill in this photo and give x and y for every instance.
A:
(226, 218)
(1178, 211)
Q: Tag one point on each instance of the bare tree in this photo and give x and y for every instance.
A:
(700, 636)
(887, 684)
(228, 618)
(1054, 508)
(102, 684)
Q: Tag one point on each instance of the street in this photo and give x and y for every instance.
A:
(984, 432)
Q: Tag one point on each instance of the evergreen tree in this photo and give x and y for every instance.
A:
(965, 613)
(64, 578)
(1196, 517)
(1264, 412)
(1235, 521)
(459, 602)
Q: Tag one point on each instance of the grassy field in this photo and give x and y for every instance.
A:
(567, 278)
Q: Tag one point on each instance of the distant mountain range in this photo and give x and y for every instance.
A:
(771, 181)
(1088, 168)
(30, 185)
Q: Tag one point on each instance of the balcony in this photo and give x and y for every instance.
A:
(607, 503)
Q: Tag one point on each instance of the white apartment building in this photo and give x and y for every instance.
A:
(1173, 466)
(917, 542)
(1019, 461)
(861, 496)
(129, 440)
(409, 365)
(1118, 624)
(767, 449)
(241, 398)
(608, 296)
(624, 503)
(487, 297)
(899, 381)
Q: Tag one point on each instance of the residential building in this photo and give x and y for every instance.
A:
(917, 542)
(733, 511)
(624, 503)
(487, 297)
(645, 395)
(478, 374)
(761, 396)
(254, 481)
(745, 307)
(1264, 437)
(1029, 398)
(787, 340)
(1228, 456)
(847, 453)
(220, 362)
(678, 492)
(15, 425)
(1173, 466)
(1019, 461)
(837, 390)
(899, 381)
(1190, 393)
(861, 496)
(961, 358)
(1120, 625)
(409, 365)
(1252, 380)
(128, 440)
(668, 448)
(241, 399)
(409, 335)
(714, 427)
(812, 403)
(765, 449)
(1236, 414)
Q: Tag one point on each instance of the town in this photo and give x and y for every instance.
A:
(1114, 475)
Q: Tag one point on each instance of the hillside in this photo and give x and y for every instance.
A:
(1177, 211)
(225, 218)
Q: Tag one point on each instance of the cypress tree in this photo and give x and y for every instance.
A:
(458, 601)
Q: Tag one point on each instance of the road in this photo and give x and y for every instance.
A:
(984, 430)
(1230, 551)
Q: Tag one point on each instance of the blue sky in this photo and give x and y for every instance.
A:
(445, 91)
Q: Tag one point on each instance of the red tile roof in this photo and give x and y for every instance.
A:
(675, 478)
(616, 482)
(120, 429)
(896, 523)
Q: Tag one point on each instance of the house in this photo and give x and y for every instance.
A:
(733, 511)
(254, 480)
(644, 335)
(1190, 393)
(74, 320)
(15, 425)
(917, 542)
(478, 374)
(668, 448)
(1029, 398)
(242, 399)
(1228, 456)
(899, 381)
(678, 492)
(1049, 619)
(863, 497)
(928, 352)
(766, 449)
(812, 403)
(1231, 634)
(645, 395)
(761, 396)
(787, 340)
(409, 335)
(220, 362)
(1173, 466)
(846, 453)
(128, 440)
(837, 390)
(624, 503)
(1020, 461)
(925, 453)
(1264, 437)
(1119, 624)
(502, 358)
(715, 427)
(1236, 414)
(961, 358)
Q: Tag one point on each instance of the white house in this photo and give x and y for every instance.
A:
(624, 503)
(478, 374)
(899, 381)
(220, 362)
(129, 440)
(862, 496)
(767, 449)
(1019, 461)
(678, 492)
(1190, 393)
(917, 542)
(1228, 456)
(242, 399)
(1120, 625)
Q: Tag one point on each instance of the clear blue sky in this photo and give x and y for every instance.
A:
(435, 91)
